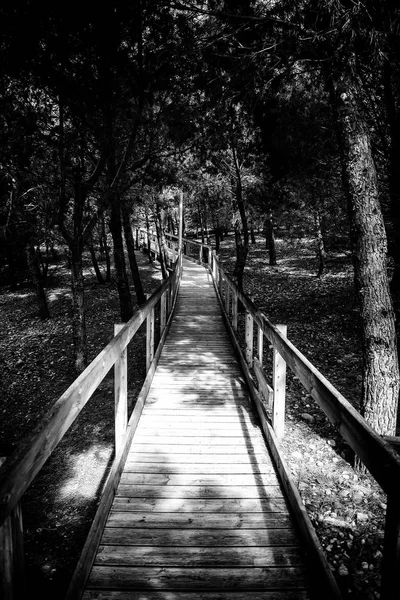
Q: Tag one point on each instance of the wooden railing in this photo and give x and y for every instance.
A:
(375, 451)
(19, 470)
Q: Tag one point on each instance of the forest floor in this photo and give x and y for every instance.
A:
(347, 508)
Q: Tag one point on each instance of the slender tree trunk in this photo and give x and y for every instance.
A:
(148, 236)
(171, 225)
(106, 250)
(79, 334)
(380, 362)
(242, 245)
(201, 223)
(241, 256)
(130, 245)
(34, 268)
(45, 263)
(137, 238)
(321, 253)
(161, 244)
(100, 278)
(217, 239)
(124, 293)
(270, 240)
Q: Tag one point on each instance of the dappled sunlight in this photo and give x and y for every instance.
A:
(18, 295)
(84, 477)
(58, 294)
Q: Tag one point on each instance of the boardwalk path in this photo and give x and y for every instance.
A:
(199, 512)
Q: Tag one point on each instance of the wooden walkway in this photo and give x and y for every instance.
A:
(199, 511)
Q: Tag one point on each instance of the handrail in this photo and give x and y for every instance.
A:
(19, 469)
(375, 451)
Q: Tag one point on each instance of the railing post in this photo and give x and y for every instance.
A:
(163, 311)
(249, 333)
(260, 345)
(149, 339)
(12, 567)
(391, 550)
(201, 254)
(279, 387)
(227, 298)
(120, 393)
(234, 310)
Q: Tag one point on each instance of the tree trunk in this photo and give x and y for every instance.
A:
(270, 240)
(100, 278)
(242, 245)
(34, 269)
(161, 244)
(217, 239)
(130, 245)
(79, 335)
(380, 388)
(171, 225)
(241, 256)
(148, 236)
(321, 253)
(124, 293)
(106, 250)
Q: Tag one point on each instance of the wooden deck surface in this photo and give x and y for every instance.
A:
(199, 511)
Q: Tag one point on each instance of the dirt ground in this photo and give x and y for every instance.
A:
(347, 508)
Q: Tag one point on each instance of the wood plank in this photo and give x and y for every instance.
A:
(121, 536)
(219, 479)
(199, 468)
(171, 448)
(193, 595)
(201, 430)
(160, 417)
(255, 578)
(121, 518)
(171, 556)
(203, 505)
(236, 441)
(195, 458)
(179, 491)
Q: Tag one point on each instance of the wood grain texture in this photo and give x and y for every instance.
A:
(199, 511)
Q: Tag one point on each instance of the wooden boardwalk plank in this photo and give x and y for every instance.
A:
(201, 595)
(199, 512)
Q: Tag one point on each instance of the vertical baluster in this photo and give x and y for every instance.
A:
(234, 309)
(163, 312)
(149, 339)
(279, 386)
(120, 393)
(249, 333)
(260, 345)
(227, 297)
(12, 563)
